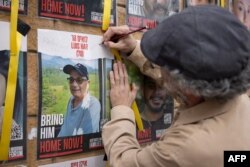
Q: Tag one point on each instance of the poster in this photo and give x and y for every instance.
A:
(240, 8)
(18, 131)
(66, 127)
(5, 5)
(84, 11)
(63, 125)
(96, 161)
(155, 105)
(140, 13)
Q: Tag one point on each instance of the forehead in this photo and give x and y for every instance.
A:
(75, 73)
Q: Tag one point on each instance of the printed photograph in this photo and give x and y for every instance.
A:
(6, 4)
(156, 107)
(140, 13)
(72, 106)
(18, 130)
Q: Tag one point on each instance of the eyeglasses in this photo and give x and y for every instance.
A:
(78, 80)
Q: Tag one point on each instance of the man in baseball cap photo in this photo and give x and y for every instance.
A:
(83, 110)
(202, 57)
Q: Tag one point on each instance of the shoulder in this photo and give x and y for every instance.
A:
(94, 101)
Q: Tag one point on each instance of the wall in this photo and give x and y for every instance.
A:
(33, 79)
(32, 71)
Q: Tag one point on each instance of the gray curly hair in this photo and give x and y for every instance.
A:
(226, 88)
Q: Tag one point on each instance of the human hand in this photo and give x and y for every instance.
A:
(121, 93)
(126, 44)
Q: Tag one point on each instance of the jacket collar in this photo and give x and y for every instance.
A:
(207, 109)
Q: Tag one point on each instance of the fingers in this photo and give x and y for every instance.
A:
(121, 93)
(119, 75)
(115, 31)
(111, 78)
(126, 83)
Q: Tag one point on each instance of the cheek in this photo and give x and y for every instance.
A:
(84, 88)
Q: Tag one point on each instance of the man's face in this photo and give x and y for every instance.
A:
(156, 8)
(79, 85)
(154, 95)
(241, 9)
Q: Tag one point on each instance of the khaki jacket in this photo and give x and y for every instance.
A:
(198, 136)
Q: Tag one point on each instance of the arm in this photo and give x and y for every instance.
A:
(95, 112)
(119, 134)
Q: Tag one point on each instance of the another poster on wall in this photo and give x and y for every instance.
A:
(96, 161)
(17, 149)
(155, 105)
(84, 11)
(241, 9)
(140, 13)
(23, 5)
(73, 75)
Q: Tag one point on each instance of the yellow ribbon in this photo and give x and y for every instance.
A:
(222, 3)
(105, 25)
(15, 43)
(106, 14)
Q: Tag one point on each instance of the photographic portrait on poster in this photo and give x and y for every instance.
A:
(84, 11)
(18, 130)
(241, 9)
(23, 4)
(156, 107)
(71, 92)
(140, 13)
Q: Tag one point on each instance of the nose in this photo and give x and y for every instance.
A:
(74, 83)
(157, 90)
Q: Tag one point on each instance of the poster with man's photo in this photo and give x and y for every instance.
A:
(155, 105)
(73, 75)
(82, 11)
(140, 13)
(17, 150)
(5, 5)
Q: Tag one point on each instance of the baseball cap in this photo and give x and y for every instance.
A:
(203, 42)
(81, 69)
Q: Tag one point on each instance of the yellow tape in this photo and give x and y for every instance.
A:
(116, 54)
(222, 3)
(105, 25)
(106, 14)
(134, 105)
(15, 43)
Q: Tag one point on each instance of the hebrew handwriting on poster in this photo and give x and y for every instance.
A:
(73, 68)
(18, 132)
(96, 161)
(84, 11)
